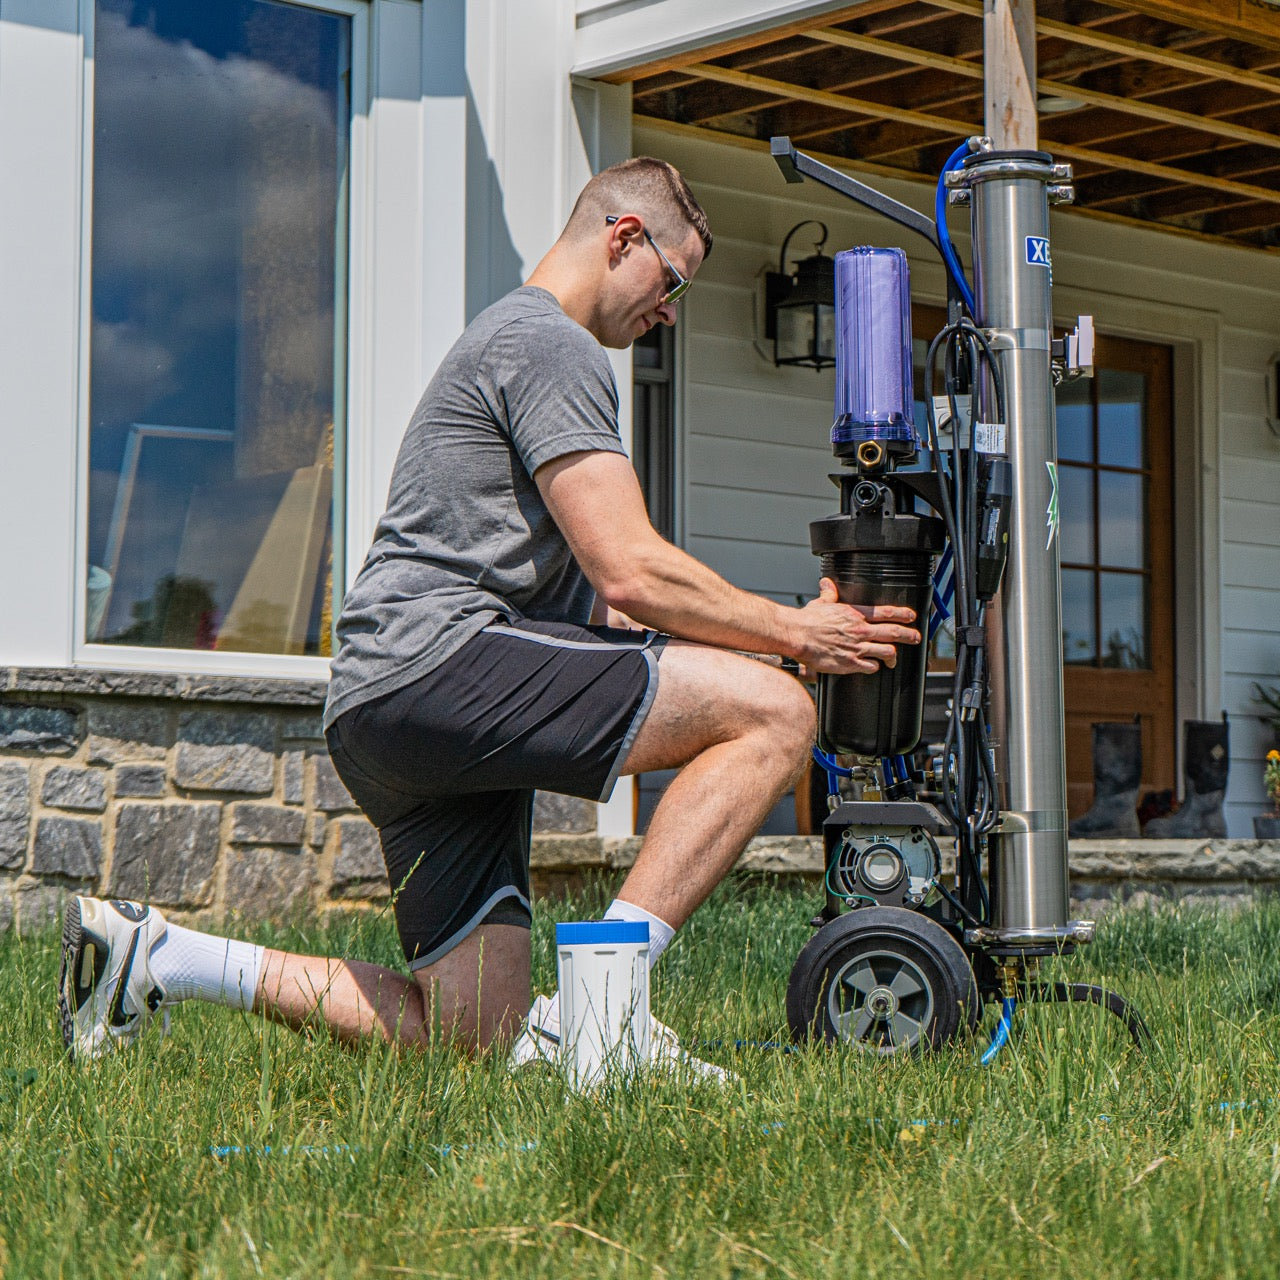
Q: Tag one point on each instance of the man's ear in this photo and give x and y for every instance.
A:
(623, 234)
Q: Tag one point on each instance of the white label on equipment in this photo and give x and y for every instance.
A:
(990, 437)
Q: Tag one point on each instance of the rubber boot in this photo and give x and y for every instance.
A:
(1206, 760)
(1117, 771)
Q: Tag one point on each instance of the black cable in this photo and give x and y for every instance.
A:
(969, 790)
(1087, 993)
(959, 906)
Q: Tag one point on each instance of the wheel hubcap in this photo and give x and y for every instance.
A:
(881, 1001)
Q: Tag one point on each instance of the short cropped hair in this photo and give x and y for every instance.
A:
(645, 185)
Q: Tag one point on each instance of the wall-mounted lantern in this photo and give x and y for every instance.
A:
(800, 306)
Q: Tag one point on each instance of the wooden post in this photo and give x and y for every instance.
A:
(1009, 54)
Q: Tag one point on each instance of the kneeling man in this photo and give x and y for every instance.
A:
(518, 625)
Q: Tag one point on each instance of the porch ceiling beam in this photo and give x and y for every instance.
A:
(962, 128)
(1257, 24)
(1135, 48)
(1064, 89)
(1102, 188)
(927, 91)
(1242, 219)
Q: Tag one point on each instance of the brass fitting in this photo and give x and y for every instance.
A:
(870, 455)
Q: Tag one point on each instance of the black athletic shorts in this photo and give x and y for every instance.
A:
(446, 767)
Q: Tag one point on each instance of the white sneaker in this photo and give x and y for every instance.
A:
(539, 1041)
(539, 1038)
(106, 993)
(665, 1054)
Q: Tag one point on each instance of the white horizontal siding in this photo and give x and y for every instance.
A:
(1250, 565)
(756, 438)
(1252, 609)
(1253, 478)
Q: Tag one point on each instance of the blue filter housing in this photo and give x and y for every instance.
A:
(873, 349)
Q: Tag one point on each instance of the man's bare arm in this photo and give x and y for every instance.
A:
(595, 499)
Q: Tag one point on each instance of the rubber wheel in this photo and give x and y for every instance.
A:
(885, 980)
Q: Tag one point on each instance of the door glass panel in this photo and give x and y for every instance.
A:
(1077, 616)
(1075, 421)
(1118, 608)
(217, 350)
(1075, 511)
(1122, 400)
(1121, 519)
(1123, 629)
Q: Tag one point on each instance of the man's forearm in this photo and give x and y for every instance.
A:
(671, 591)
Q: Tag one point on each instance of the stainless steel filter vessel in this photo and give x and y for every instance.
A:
(1009, 198)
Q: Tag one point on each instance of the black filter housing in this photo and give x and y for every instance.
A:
(875, 558)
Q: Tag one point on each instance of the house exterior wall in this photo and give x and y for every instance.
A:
(755, 437)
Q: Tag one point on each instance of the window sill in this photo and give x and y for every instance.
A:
(267, 690)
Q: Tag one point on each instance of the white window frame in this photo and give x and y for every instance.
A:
(140, 657)
(470, 152)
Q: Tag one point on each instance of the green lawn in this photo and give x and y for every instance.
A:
(1072, 1156)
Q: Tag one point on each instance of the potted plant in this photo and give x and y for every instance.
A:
(1267, 826)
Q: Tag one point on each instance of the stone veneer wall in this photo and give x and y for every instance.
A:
(215, 796)
(212, 795)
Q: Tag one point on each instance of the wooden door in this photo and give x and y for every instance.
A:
(1115, 480)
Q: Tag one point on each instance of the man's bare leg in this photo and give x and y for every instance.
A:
(472, 996)
(742, 731)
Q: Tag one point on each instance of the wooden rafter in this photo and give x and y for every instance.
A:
(1256, 23)
(1066, 89)
(1130, 48)
(961, 128)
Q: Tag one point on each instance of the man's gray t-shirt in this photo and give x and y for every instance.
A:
(466, 537)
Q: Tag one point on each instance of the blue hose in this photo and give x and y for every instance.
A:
(1000, 1035)
(949, 255)
(832, 769)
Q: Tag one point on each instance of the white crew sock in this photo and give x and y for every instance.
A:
(660, 932)
(198, 966)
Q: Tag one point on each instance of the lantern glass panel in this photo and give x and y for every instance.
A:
(826, 332)
(795, 332)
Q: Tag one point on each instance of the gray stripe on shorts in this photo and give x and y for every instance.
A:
(558, 642)
(461, 935)
(651, 692)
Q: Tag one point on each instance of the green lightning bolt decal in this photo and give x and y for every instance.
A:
(1051, 514)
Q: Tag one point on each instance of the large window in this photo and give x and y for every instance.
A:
(217, 367)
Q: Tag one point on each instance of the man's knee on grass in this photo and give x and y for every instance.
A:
(476, 995)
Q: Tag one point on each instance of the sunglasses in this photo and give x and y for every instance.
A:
(681, 286)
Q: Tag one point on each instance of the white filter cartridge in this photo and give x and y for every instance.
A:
(603, 971)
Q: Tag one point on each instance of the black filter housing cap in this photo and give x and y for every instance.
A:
(909, 533)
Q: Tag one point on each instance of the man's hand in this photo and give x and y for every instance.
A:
(841, 639)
